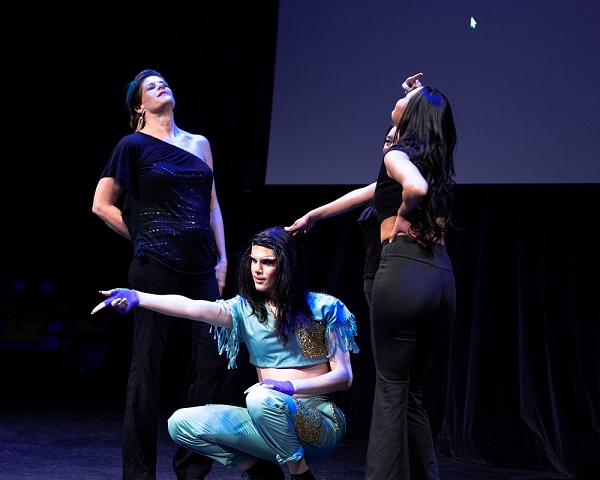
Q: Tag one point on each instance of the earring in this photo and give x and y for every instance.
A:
(140, 123)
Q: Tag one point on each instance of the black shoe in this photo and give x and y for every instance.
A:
(189, 465)
(264, 470)
(304, 476)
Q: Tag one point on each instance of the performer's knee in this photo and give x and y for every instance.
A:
(264, 401)
(180, 427)
(174, 424)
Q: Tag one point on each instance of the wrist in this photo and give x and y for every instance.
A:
(314, 216)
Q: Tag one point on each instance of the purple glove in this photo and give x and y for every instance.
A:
(283, 387)
(129, 299)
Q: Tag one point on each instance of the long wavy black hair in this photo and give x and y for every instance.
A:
(291, 283)
(426, 132)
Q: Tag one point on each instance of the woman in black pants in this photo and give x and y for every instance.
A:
(412, 297)
(414, 294)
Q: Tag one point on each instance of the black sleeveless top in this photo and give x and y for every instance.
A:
(388, 192)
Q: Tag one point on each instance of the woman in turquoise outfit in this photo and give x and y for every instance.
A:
(300, 342)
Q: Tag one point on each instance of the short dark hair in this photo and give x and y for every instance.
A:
(133, 97)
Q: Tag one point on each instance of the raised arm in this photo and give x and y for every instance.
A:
(124, 299)
(355, 198)
(412, 82)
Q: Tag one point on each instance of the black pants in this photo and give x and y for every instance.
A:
(207, 381)
(414, 303)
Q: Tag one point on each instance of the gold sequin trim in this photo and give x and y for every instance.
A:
(308, 424)
(312, 344)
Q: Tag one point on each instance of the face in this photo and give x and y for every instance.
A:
(389, 138)
(264, 268)
(401, 105)
(156, 93)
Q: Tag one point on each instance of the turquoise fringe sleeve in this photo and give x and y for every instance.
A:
(228, 340)
(341, 329)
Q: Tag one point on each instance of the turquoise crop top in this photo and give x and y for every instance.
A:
(335, 327)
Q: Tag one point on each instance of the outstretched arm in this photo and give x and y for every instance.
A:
(124, 299)
(355, 198)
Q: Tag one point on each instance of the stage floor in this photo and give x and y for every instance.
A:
(85, 445)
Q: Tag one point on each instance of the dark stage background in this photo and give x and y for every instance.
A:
(519, 383)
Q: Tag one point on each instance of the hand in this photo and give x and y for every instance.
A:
(302, 225)
(121, 299)
(412, 82)
(284, 387)
(401, 225)
(221, 274)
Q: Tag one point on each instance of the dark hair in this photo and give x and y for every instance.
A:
(426, 132)
(133, 97)
(291, 283)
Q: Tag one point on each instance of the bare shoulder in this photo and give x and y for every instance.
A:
(196, 144)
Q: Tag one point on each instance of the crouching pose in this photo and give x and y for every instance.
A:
(300, 342)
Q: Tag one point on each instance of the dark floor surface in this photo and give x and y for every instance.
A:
(85, 445)
(67, 425)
